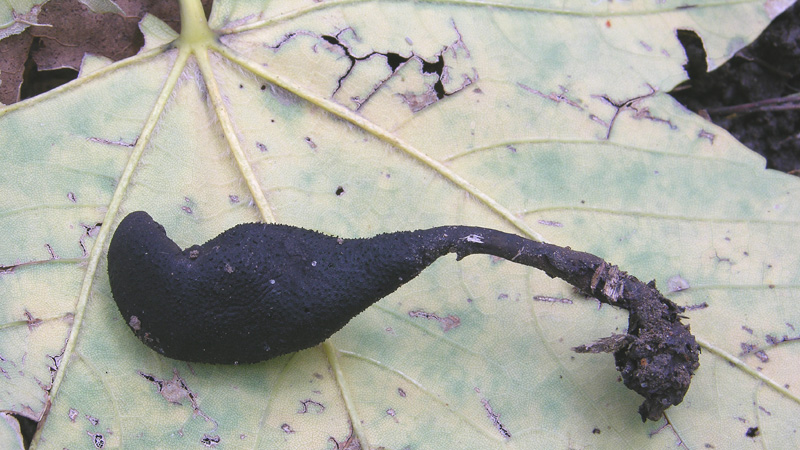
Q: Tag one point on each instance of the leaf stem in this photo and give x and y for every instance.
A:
(744, 367)
(228, 130)
(194, 26)
(349, 403)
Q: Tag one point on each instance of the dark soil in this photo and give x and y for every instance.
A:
(748, 94)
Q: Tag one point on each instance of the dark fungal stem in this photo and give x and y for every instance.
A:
(658, 354)
(258, 291)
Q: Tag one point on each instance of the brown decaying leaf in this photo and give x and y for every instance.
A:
(13, 54)
(74, 31)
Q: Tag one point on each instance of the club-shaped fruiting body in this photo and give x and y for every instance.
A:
(257, 290)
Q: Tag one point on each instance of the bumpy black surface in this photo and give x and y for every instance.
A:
(662, 356)
(255, 291)
(258, 291)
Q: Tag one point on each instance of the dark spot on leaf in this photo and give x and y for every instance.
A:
(543, 298)
(51, 251)
(97, 439)
(447, 323)
(434, 67)
(703, 134)
(339, 190)
(495, 418)
(702, 305)
(394, 60)
(551, 223)
(210, 441)
(174, 390)
(596, 431)
(752, 432)
(309, 405)
(33, 322)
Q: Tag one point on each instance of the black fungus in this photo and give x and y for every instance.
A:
(258, 291)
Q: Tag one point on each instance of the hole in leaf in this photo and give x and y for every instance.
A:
(27, 428)
(35, 82)
(695, 53)
(394, 60)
